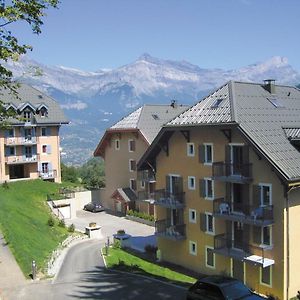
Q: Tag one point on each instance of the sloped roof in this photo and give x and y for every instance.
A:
(147, 119)
(268, 120)
(28, 95)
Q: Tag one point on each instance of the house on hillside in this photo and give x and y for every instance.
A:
(227, 192)
(121, 147)
(30, 145)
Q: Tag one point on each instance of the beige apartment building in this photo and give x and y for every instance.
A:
(121, 147)
(227, 196)
(30, 144)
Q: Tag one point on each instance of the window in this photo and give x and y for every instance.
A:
(44, 149)
(131, 145)
(217, 103)
(208, 153)
(117, 144)
(265, 194)
(193, 247)
(11, 151)
(27, 115)
(209, 188)
(133, 184)
(276, 102)
(266, 276)
(43, 131)
(132, 165)
(209, 223)
(192, 216)
(28, 152)
(45, 167)
(209, 257)
(190, 149)
(266, 236)
(191, 182)
(142, 184)
(44, 112)
(10, 133)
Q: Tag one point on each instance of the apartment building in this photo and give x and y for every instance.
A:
(30, 143)
(122, 146)
(227, 195)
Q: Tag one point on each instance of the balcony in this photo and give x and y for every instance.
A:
(14, 160)
(240, 250)
(229, 172)
(13, 141)
(164, 229)
(147, 176)
(145, 196)
(48, 175)
(240, 212)
(169, 200)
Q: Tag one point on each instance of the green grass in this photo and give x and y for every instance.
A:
(23, 221)
(120, 259)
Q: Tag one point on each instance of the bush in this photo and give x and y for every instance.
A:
(141, 215)
(116, 244)
(51, 221)
(121, 232)
(62, 223)
(71, 228)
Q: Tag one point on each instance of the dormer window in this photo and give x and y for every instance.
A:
(44, 112)
(27, 115)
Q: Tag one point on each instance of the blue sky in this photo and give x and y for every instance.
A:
(227, 34)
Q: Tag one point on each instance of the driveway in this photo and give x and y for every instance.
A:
(110, 224)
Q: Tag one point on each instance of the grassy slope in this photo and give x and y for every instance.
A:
(144, 267)
(23, 220)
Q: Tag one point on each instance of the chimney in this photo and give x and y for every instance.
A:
(173, 103)
(269, 85)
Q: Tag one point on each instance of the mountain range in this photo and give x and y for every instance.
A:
(93, 101)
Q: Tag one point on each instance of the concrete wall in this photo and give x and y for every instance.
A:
(179, 163)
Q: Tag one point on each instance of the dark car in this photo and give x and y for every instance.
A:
(93, 207)
(220, 288)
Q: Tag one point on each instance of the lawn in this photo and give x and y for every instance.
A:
(23, 221)
(120, 259)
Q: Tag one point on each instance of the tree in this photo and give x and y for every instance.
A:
(69, 173)
(30, 12)
(92, 173)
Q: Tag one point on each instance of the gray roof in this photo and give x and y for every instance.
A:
(267, 123)
(149, 119)
(29, 96)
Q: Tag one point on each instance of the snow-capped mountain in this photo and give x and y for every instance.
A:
(94, 100)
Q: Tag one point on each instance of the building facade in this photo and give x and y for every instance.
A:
(121, 147)
(227, 192)
(30, 142)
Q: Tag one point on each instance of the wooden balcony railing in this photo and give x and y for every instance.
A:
(229, 172)
(243, 212)
(163, 228)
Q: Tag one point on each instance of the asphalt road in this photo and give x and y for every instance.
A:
(83, 276)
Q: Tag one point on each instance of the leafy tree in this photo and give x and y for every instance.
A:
(92, 173)
(31, 12)
(69, 173)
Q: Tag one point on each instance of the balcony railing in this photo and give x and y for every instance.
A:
(169, 200)
(48, 175)
(229, 172)
(21, 159)
(163, 228)
(147, 176)
(240, 212)
(240, 250)
(30, 140)
(143, 195)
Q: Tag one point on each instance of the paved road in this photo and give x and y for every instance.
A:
(83, 276)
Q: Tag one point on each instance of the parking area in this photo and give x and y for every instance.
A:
(141, 235)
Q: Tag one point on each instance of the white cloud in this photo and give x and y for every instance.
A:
(77, 105)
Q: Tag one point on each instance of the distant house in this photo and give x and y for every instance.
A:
(122, 146)
(227, 192)
(30, 144)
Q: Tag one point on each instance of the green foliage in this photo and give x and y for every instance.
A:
(71, 228)
(69, 174)
(51, 221)
(16, 11)
(62, 223)
(116, 244)
(92, 173)
(5, 185)
(141, 215)
(23, 222)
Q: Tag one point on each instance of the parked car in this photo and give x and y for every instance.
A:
(93, 207)
(220, 288)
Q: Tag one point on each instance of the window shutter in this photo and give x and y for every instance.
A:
(168, 186)
(7, 153)
(48, 149)
(34, 150)
(256, 234)
(6, 133)
(33, 132)
(202, 188)
(22, 131)
(48, 131)
(256, 196)
(50, 166)
(23, 152)
(39, 167)
(133, 145)
(227, 153)
(179, 185)
(228, 192)
(201, 154)
(203, 222)
(229, 230)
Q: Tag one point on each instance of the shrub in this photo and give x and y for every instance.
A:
(51, 221)
(71, 228)
(121, 232)
(116, 244)
(62, 223)
(141, 215)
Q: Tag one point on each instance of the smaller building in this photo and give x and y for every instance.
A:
(30, 142)
(122, 146)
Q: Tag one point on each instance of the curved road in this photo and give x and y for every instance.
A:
(83, 276)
